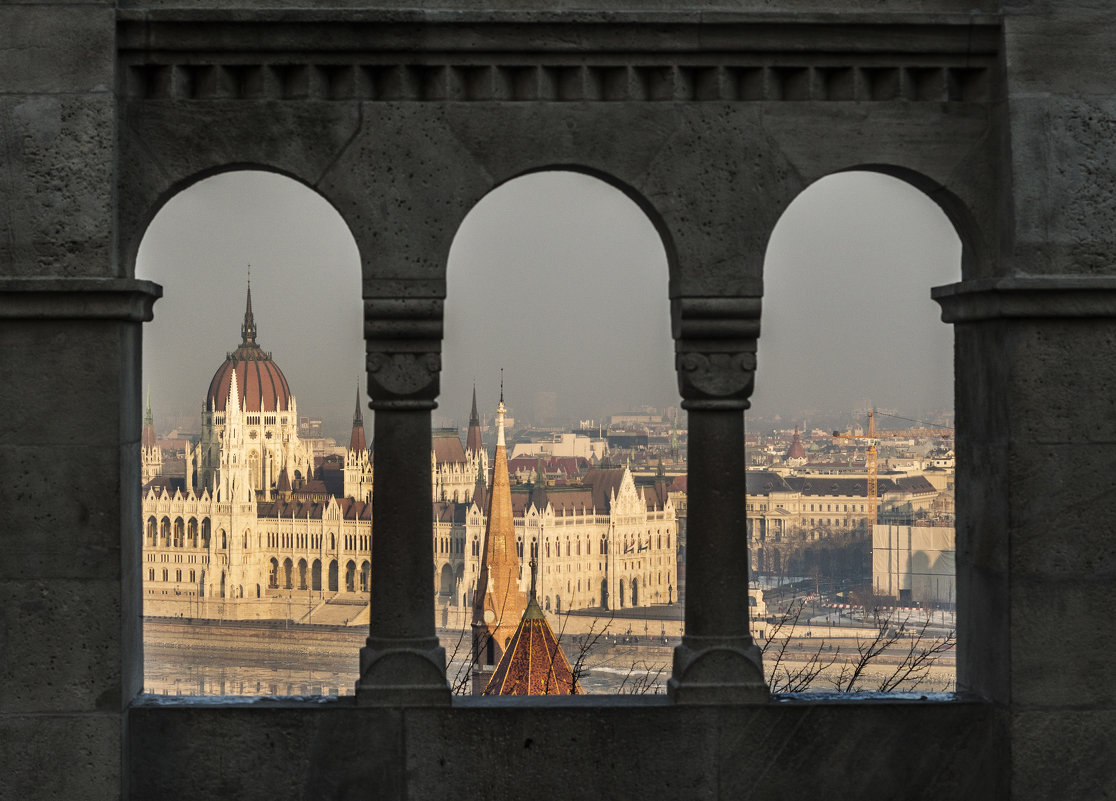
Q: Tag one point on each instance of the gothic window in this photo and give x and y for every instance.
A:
(288, 569)
(350, 576)
(302, 585)
(365, 573)
(316, 575)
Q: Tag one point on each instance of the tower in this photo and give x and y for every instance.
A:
(475, 454)
(358, 467)
(151, 454)
(498, 603)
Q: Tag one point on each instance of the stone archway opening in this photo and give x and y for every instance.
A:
(850, 331)
(299, 355)
(562, 279)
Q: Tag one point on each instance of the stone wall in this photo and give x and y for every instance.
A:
(713, 118)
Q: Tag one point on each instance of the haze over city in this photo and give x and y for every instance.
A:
(562, 281)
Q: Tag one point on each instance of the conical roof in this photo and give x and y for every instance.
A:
(534, 663)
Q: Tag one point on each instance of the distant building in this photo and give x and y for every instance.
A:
(915, 563)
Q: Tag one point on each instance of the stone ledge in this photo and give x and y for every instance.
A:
(1059, 296)
(126, 299)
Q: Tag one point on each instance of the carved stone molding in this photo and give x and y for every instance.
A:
(125, 299)
(1018, 297)
(715, 349)
(404, 380)
(716, 380)
(541, 56)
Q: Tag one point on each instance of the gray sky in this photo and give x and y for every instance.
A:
(561, 280)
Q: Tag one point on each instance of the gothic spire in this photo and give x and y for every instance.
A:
(357, 442)
(473, 441)
(248, 330)
(148, 434)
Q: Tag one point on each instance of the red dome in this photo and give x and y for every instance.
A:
(262, 385)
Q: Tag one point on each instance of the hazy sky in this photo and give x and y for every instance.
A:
(561, 280)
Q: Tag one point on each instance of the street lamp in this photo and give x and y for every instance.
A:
(670, 594)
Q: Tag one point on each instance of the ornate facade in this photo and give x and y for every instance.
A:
(258, 536)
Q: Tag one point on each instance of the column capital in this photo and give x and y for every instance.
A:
(403, 342)
(715, 350)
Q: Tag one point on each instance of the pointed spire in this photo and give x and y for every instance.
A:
(358, 416)
(147, 438)
(501, 410)
(248, 330)
(233, 402)
(357, 442)
(498, 603)
(473, 442)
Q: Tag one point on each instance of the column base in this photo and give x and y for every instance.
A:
(718, 671)
(402, 673)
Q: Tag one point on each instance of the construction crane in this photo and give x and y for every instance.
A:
(870, 462)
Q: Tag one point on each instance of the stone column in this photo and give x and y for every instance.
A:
(402, 663)
(717, 662)
(70, 597)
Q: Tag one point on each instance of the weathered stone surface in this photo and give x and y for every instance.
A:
(1061, 640)
(713, 151)
(47, 365)
(61, 646)
(60, 756)
(1063, 187)
(1063, 754)
(592, 748)
(1056, 535)
(309, 751)
(44, 538)
(57, 48)
(56, 203)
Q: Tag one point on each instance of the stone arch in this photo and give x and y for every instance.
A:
(365, 576)
(288, 571)
(273, 575)
(303, 583)
(350, 576)
(333, 583)
(445, 582)
(316, 575)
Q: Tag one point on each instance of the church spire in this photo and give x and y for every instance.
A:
(473, 441)
(357, 442)
(148, 437)
(498, 602)
(248, 329)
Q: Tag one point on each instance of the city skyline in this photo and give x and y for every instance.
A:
(577, 323)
